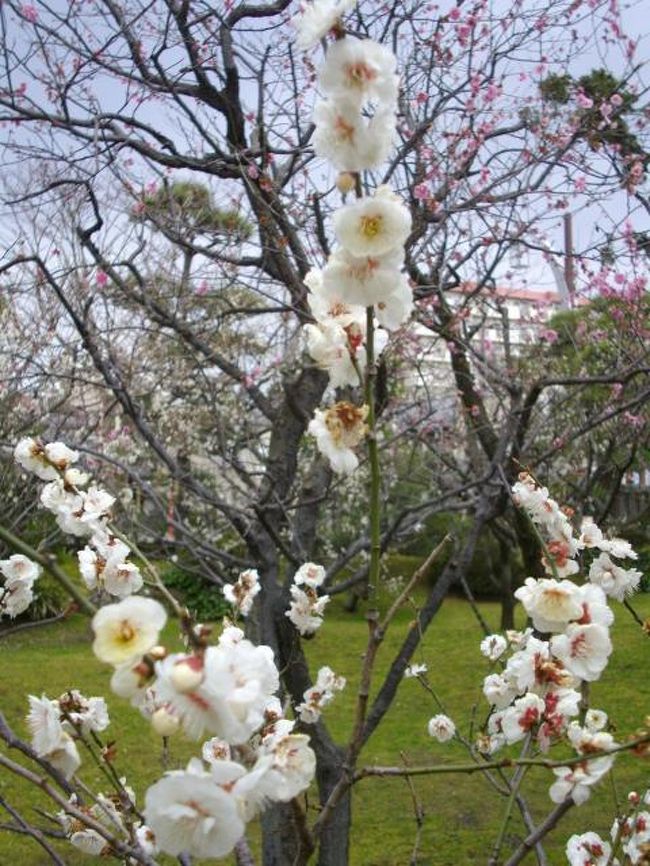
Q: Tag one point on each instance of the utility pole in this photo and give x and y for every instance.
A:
(569, 273)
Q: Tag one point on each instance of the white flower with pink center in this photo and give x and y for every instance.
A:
(361, 71)
(345, 138)
(187, 811)
(310, 574)
(583, 649)
(588, 849)
(441, 728)
(576, 782)
(522, 717)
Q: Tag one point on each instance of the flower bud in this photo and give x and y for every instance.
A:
(187, 674)
(633, 798)
(165, 723)
(345, 182)
(157, 652)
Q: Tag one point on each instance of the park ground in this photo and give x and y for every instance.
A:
(461, 813)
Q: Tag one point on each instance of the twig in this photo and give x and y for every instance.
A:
(34, 832)
(545, 827)
(418, 812)
(501, 764)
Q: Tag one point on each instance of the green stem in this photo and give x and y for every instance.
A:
(50, 564)
(515, 784)
(373, 454)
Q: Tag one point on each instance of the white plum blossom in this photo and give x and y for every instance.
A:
(90, 842)
(416, 670)
(164, 720)
(59, 499)
(337, 431)
(576, 782)
(316, 19)
(16, 593)
(329, 306)
(583, 649)
(395, 309)
(96, 504)
(49, 738)
(534, 499)
(595, 720)
(215, 749)
(551, 604)
(590, 534)
(594, 606)
(636, 838)
(534, 669)
(306, 609)
(146, 839)
(499, 690)
(310, 574)
(374, 226)
(615, 581)
(60, 455)
(524, 715)
(229, 694)
(87, 714)
(132, 680)
(364, 280)
(329, 345)
(360, 70)
(493, 646)
(128, 629)
(102, 563)
(441, 728)
(187, 811)
(75, 478)
(349, 141)
(44, 723)
(319, 695)
(618, 547)
(588, 849)
(19, 567)
(586, 741)
(289, 765)
(47, 462)
(242, 593)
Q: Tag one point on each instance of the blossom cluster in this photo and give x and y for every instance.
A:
(538, 693)
(362, 285)
(16, 593)
(113, 813)
(319, 695)
(241, 594)
(630, 833)
(56, 724)
(83, 513)
(307, 606)
(227, 690)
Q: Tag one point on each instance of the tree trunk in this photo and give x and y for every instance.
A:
(335, 837)
(507, 598)
(280, 843)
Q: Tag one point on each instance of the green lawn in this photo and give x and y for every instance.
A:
(462, 813)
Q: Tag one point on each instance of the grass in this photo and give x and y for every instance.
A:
(461, 813)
